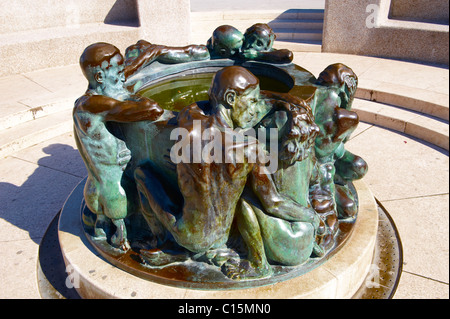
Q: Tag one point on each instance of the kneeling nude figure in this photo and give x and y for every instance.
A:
(212, 190)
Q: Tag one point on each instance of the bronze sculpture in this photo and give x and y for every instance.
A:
(198, 185)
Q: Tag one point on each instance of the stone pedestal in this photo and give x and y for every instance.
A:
(339, 277)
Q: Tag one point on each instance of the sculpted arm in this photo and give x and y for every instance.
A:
(144, 53)
(276, 204)
(184, 54)
(274, 56)
(139, 109)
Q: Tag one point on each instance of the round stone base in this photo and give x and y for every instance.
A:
(339, 277)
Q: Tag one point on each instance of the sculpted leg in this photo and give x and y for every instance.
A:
(114, 203)
(349, 167)
(257, 265)
(101, 227)
(155, 203)
(119, 239)
(286, 243)
(158, 255)
(346, 204)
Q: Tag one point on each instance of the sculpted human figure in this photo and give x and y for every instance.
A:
(225, 42)
(258, 42)
(143, 52)
(211, 190)
(287, 241)
(337, 166)
(106, 156)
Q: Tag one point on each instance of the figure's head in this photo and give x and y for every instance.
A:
(259, 37)
(341, 77)
(298, 142)
(236, 89)
(102, 65)
(226, 41)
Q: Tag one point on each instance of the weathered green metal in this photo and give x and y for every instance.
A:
(178, 174)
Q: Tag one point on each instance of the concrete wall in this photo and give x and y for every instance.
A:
(433, 11)
(37, 34)
(22, 15)
(165, 21)
(363, 27)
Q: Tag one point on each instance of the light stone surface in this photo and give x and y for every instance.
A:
(18, 257)
(165, 21)
(425, 253)
(346, 31)
(418, 287)
(390, 177)
(420, 10)
(21, 15)
(411, 180)
(34, 184)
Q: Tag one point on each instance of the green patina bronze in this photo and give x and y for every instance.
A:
(217, 164)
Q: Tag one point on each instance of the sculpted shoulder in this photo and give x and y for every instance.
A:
(94, 103)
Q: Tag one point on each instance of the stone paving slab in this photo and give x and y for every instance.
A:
(410, 178)
(34, 184)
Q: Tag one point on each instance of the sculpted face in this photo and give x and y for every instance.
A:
(112, 78)
(246, 111)
(259, 37)
(258, 43)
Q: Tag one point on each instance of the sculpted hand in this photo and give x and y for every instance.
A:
(123, 158)
(250, 54)
(199, 52)
(319, 226)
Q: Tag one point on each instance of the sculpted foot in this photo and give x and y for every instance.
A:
(101, 227)
(219, 256)
(244, 270)
(156, 257)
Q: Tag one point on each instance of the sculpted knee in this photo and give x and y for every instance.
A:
(351, 168)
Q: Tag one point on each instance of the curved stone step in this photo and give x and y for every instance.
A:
(34, 113)
(419, 125)
(298, 35)
(57, 46)
(32, 132)
(273, 14)
(431, 103)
